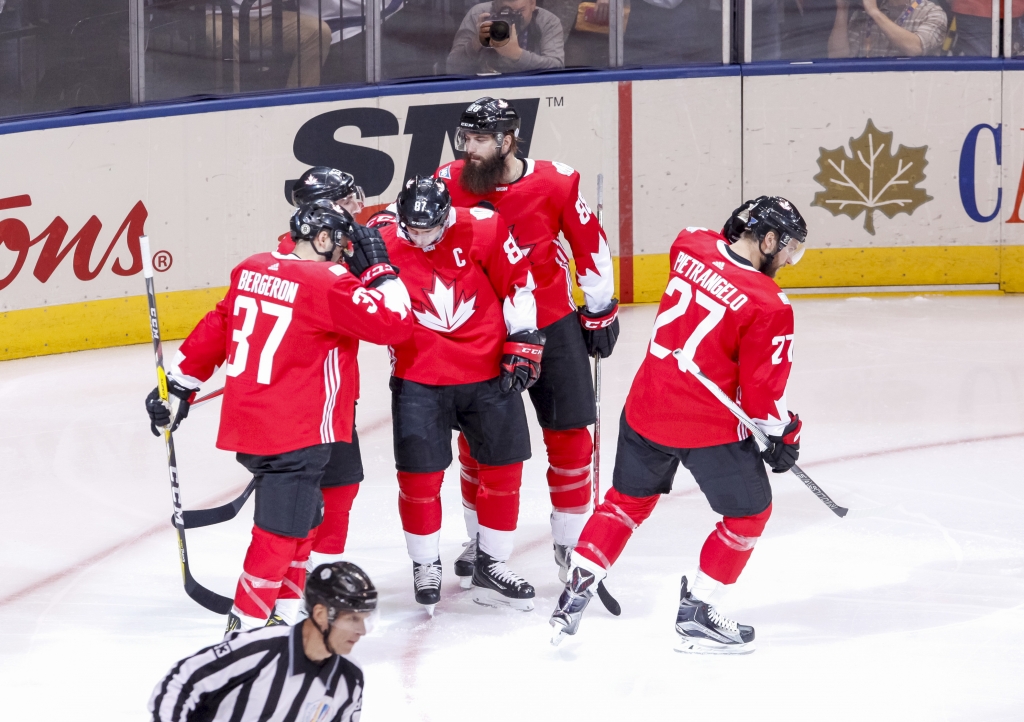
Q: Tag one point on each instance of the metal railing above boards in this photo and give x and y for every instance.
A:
(67, 55)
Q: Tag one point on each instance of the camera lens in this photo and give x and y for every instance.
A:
(500, 30)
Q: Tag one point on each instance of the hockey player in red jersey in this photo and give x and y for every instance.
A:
(288, 330)
(322, 183)
(540, 199)
(722, 314)
(475, 347)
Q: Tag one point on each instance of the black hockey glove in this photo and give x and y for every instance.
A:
(600, 330)
(368, 258)
(520, 361)
(160, 415)
(784, 450)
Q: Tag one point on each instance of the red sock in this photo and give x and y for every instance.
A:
(607, 531)
(330, 536)
(569, 458)
(469, 474)
(497, 501)
(727, 549)
(295, 578)
(419, 501)
(266, 562)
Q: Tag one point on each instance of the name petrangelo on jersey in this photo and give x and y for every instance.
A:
(693, 270)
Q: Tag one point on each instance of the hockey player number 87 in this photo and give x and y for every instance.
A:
(716, 312)
(283, 316)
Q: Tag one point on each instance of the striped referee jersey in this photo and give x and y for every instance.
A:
(262, 675)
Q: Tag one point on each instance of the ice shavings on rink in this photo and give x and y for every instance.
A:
(910, 609)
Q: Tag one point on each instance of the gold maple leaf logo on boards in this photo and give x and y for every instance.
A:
(873, 179)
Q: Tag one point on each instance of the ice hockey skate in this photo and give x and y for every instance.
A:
(426, 580)
(703, 630)
(465, 563)
(563, 558)
(495, 585)
(565, 620)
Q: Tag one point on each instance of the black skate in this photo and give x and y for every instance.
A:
(702, 630)
(426, 581)
(234, 625)
(465, 563)
(565, 620)
(563, 558)
(495, 585)
(275, 619)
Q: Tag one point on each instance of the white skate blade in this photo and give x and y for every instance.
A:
(699, 645)
(466, 582)
(492, 598)
(429, 609)
(557, 635)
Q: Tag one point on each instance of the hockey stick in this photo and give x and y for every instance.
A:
(603, 594)
(195, 518)
(208, 397)
(687, 365)
(203, 596)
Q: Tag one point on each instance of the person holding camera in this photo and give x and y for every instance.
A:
(507, 36)
(887, 28)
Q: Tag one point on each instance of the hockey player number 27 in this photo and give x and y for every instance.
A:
(716, 312)
(283, 316)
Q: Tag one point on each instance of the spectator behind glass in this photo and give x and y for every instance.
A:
(974, 26)
(312, 37)
(535, 40)
(887, 28)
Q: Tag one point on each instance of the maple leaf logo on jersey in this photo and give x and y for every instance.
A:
(443, 314)
(527, 250)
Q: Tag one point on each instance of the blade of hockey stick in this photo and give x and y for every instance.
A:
(687, 365)
(200, 594)
(195, 518)
(608, 600)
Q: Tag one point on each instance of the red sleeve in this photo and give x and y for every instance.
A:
(206, 347)
(509, 271)
(765, 360)
(379, 315)
(589, 248)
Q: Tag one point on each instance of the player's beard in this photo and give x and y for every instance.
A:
(480, 177)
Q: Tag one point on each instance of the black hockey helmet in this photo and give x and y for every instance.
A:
(311, 218)
(325, 183)
(341, 587)
(765, 214)
(495, 116)
(423, 203)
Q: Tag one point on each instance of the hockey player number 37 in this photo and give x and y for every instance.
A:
(716, 312)
(241, 335)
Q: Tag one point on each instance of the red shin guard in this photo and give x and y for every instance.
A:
(267, 560)
(497, 501)
(727, 549)
(330, 536)
(294, 581)
(469, 474)
(607, 531)
(419, 501)
(569, 458)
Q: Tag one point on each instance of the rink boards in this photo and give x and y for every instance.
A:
(906, 178)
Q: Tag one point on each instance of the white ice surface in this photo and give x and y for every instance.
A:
(914, 411)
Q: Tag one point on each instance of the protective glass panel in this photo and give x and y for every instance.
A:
(237, 46)
(672, 32)
(61, 54)
(463, 37)
(813, 29)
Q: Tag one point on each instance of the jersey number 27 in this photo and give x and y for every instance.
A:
(716, 312)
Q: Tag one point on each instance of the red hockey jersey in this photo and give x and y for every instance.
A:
(289, 330)
(469, 291)
(544, 201)
(736, 324)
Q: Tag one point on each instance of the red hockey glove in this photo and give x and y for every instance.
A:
(285, 244)
(380, 219)
(160, 415)
(520, 361)
(784, 450)
(368, 257)
(600, 330)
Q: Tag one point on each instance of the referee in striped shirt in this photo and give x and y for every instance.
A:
(280, 673)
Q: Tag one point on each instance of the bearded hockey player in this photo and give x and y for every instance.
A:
(726, 317)
(539, 200)
(474, 348)
(289, 330)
